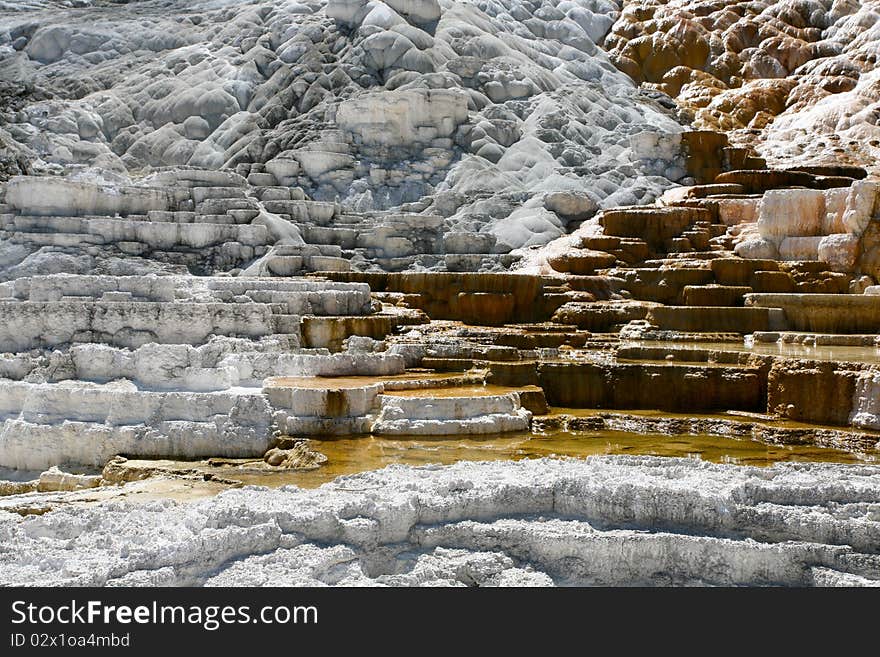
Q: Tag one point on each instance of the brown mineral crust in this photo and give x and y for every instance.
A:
(794, 79)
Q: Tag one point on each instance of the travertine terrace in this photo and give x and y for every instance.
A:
(230, 231)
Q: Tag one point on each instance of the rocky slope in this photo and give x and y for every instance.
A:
(797, 79)
(470, 110)
(243, 222)
(604, 521)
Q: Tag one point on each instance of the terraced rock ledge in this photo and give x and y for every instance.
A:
(327, 246)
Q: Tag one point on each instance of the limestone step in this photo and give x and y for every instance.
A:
(201, 194)
(600, 317)
(331, 332)
(739, 271)
(698, 239)
(476, 262)
(295, 296)
(600, 242)
(685, 354)
(262, 180)
(736, 158)
(402, 263)
(325, 426)
(632, 251)
(286, 324)
(344, 237)
(835, 170)
(315, 211)
(710, 255)
(215, 219)
(308, 250)
(448, 364)
(55, 239)
(169, 216)
(758, 181)
(316, 163)
(196, 177)
(662, 285)
(655, 224)
(159, 235)
(411, 220)
(222, 205)
(447, 414)
(352, 220)
(678, 245)
(53, 195)
(772, 281)
(291, 265)
(328, 146)
(29, 325)
(47, 404)
(582, 262)
(714, 295)
(824, 313)
(712, 319)
(543, 339)
(279, 193)
(707, 191)
(652, 386)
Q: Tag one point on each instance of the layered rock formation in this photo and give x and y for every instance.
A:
(228, 229)
(797, 80)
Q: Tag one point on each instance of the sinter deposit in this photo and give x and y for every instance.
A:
(604, 521)
(231, 232)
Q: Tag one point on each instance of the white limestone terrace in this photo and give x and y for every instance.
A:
(328, 409)
(180, 220)
(600, 521)
(94, 366)
(46, 311)
(471, 111)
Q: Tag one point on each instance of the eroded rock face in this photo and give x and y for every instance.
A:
(535, 522)
(464, 110)
(797, 80)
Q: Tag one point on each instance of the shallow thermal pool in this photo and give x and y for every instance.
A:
(357, 454)
(840, 353)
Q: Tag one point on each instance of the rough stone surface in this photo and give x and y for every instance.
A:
(796, 80)
(464, 109)
(603, 521)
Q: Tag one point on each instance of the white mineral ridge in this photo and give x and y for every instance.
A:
(610, 520)
(373, 103)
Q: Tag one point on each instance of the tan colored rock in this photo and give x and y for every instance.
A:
(733, 211)
(54, 479)
(824, 313)
(296, 456)
(714, 295)
(582, 262)
(654, 225)
(785, 77)
(812, 391)
(738, 271)
(670, 386)
(601, 316)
